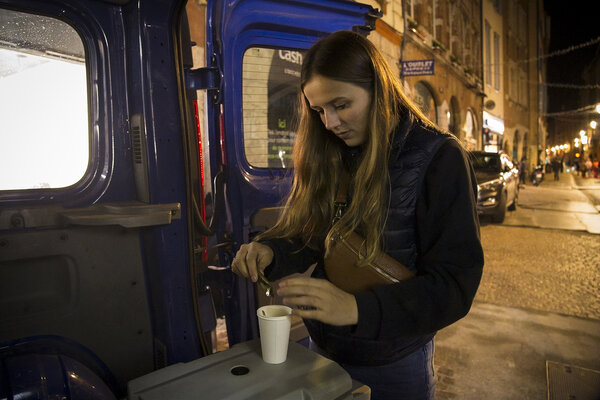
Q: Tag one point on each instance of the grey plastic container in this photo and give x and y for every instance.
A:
(240, 373)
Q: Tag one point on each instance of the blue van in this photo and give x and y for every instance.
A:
(141, 143)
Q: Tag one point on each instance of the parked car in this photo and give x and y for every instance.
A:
(497, 184)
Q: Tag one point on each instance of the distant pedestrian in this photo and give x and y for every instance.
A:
(523, 171)
(595, 166)
(582, 168)
(588, 167)
(556, 168)
(561, 160)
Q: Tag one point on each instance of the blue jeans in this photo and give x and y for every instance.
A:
(410, 378)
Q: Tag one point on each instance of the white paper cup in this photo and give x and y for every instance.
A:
(274, 323)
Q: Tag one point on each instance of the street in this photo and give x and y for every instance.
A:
(537, 312)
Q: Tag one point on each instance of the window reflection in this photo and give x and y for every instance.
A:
(270, 91)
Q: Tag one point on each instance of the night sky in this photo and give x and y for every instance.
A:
(572, 23)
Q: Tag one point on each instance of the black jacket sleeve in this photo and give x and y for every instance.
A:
(289, 256)
(449, 261)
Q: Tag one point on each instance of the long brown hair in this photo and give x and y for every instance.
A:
(344, 56)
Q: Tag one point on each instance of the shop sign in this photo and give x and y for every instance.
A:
(282, 89)
(417, 67)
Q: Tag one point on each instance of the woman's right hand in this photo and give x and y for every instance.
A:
(252, 258)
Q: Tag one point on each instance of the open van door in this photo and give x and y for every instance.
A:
(255, 48)
(96, 284)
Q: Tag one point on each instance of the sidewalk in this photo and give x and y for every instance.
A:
(557, 205)
(504, 353)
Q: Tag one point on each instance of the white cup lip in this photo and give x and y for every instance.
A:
(287, 309)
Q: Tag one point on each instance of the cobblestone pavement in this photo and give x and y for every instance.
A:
(539, 300)
(545, 270)
(550, 270)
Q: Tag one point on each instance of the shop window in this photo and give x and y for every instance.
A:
(270, 88)
(44, 129)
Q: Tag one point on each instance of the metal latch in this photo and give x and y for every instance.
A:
(206, 78)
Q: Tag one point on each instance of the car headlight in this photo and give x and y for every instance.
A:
(491, 185)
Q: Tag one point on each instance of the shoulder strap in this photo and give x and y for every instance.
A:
(341, 196)
(342, 190)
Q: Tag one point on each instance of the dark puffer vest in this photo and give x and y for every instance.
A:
(414, 147)
(409, 160)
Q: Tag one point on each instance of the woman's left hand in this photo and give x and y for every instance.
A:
(324, 301)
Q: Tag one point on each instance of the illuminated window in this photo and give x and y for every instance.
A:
(44, 130)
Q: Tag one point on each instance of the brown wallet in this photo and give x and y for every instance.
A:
(342, 269)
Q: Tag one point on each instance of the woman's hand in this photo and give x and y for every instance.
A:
(323, 301)
(252, 258)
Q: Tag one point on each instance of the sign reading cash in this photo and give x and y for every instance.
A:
(417, 67)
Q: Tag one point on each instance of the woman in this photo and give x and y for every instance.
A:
(412, 196)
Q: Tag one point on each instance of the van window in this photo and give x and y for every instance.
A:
(44, 130)
(270, 87)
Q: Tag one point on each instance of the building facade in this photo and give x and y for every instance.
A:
(591, 99)
(578, 127)
(493, 77)
(525, 40)
(436, 47)
(485, 84)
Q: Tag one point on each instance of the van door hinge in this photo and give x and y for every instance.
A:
(206, 78)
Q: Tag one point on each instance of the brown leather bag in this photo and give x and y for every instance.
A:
(341, 262)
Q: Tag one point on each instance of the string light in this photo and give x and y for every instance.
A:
(549, 55)
(582, 110)
(569, 86)
(563, 51)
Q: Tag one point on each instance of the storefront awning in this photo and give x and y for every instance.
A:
(493, 123)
